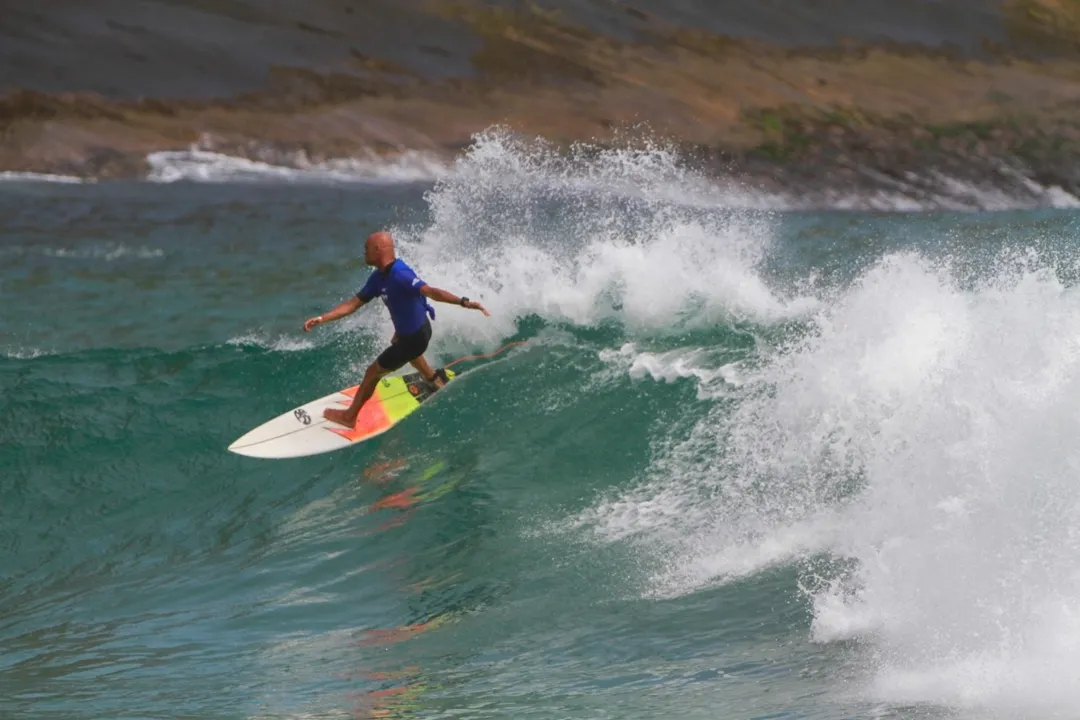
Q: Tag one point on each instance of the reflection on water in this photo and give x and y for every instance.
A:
(428, 485)
(407, 487)
(399, 700)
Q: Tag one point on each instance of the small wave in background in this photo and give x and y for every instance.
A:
(206, 166)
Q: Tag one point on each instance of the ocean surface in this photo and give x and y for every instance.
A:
(748, 464)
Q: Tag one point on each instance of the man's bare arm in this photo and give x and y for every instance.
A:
(440, 295)
(349, 306)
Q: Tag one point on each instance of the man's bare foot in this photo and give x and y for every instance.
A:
(340, 416)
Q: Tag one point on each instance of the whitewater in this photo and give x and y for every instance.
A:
(753, 461)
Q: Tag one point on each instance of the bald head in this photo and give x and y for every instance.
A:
(379, 249)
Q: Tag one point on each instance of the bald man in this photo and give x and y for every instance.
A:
(405, 295)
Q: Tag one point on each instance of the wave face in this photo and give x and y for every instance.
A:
(747, 463)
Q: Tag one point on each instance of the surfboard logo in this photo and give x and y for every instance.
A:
(302, 415)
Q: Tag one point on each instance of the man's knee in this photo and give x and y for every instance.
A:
(375, 371)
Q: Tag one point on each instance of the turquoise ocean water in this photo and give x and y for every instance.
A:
(749, 464)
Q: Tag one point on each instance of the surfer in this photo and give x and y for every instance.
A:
(405, 295)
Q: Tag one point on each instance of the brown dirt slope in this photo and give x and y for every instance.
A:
(749, 102)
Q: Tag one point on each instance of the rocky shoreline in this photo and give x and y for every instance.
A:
(934, 127)
(899, 162)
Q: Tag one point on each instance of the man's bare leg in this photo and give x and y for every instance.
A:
(426, 372)
(347, 417)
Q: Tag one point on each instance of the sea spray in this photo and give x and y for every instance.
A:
(627, 235)
(923, 432)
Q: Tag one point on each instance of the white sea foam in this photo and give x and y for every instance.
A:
(23, 353)
(108, 252)
(925, 433)
(197, 165)
(283, 343)
(29, 177)
(614, 235)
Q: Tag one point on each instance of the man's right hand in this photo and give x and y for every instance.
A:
(312, 322)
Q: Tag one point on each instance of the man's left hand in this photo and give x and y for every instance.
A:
(473, 305)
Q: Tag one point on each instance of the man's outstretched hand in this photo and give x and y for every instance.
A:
(473, 305)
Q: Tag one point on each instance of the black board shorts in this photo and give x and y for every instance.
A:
(407, 347)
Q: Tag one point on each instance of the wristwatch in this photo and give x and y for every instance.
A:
(463, 301)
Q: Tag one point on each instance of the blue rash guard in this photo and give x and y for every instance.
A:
(400, 290)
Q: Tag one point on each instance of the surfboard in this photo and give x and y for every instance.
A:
(304, 431)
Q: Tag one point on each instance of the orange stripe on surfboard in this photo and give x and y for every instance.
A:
(372, 418)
